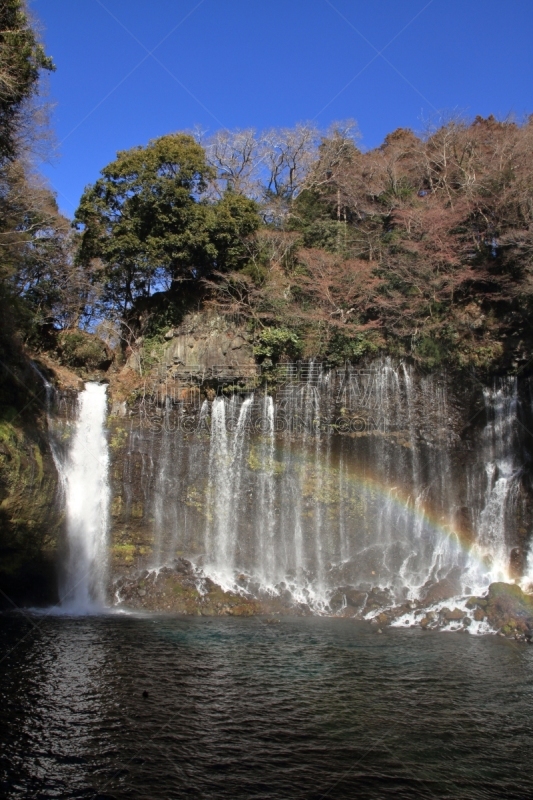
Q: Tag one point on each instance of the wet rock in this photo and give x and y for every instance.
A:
(337, 601)
(398, 611)
(181, 589)
(479, 615)
(377, 598)
(355, 598)
(440, 591)
(509, 608)
(453, 616)
(347, 597)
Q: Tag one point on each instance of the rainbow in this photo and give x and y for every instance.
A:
(481, 560)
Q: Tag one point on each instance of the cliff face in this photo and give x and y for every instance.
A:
(31, 514)
(30, 518)
(369, 475)
(207, 343)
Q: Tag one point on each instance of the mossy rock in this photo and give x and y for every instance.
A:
(509, 591)
(509, 608)
(29, 517)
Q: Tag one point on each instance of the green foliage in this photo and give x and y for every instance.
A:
(22, 58)
(431, 352)
(277, 342)
(342, 347)
(79, 349)
(233, 219)
(152, 352)
(401, 189)
(164, 310)
(146, 221)
(314, 220)
(257, 270)
(37, 266)
(32, 245)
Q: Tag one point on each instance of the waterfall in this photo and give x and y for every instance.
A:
(219, 523)
(499, 448)
(265, 529)
(224, 488)
(84, 475)
(349, 477)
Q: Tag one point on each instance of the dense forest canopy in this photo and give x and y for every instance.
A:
(420, 247)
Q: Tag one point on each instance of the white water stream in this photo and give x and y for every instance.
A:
(268, 494)
(84, 475)
(303, 511)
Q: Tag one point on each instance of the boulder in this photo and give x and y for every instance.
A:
(355, 598)
(509, 608)
(453, 616)
(442, 590)
(347, 596)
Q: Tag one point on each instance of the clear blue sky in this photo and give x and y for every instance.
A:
(131, 70)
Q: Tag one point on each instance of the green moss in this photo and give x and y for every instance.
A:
(116, 506)
(39, 462)
(195, 499)
(118, 439)
(258, 463)
(124, 552)
(507, 629)
(28, 518)
(431, 352)
(152, 353)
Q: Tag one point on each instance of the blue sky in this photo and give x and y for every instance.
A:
(131, 70)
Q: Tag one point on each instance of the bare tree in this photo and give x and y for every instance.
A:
(235, 157)
(270, 167)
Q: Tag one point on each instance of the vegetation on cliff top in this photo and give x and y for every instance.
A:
(421, 247)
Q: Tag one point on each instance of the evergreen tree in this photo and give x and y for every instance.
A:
(22, 58)
(146, 221)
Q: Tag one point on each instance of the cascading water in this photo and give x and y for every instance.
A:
(342, 478)
(84, 476)
(501, 474)
(224, 487)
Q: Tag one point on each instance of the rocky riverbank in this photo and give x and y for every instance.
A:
(505, 609)
(184, 589)
(180, 589)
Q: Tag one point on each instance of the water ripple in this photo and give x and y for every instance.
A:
(308, 708)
